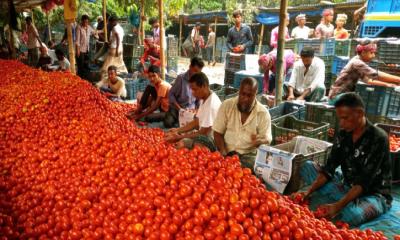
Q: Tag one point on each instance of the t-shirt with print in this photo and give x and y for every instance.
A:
(356, 69)
(208, 111)
(162, 91)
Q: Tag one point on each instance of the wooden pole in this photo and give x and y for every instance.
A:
(281, 46)
(141, 28)
(71, 46)
(162, 47)
(261, 39)
(215, 42)
(180, 35)
(48, 26)
(105, 20)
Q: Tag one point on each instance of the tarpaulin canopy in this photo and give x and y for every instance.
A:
(206, 17)
(272, 18)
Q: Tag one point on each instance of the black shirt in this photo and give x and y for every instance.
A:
(365, 163)
(241, 37)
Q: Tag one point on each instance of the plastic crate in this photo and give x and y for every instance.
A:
(239, 76)
(376, 98)
(289, 127)
(229, 77)
(338, 64)
(324, 47)
(132, 64)
(326, 114)
(394, 105)
(170, 78)
(371, 31)
(394, 70)
(342, 47)
(291, 44)
(215, 87)
(328, 60)
(286, 109)
(235, 61)
(172, 64)
(227, 92)
(395, 156)
(135, 86)
(316, 150)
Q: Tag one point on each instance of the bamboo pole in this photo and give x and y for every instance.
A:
(48, 26)
(141, 28)
(71, 49)
(261, 39)
(281, 46)
(215, 42)
(180, 35)
(162, 36)
(105, 20)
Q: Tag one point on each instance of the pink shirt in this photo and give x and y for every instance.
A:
(288, 61)
(274, 36)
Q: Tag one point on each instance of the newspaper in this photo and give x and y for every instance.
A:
(274, 167)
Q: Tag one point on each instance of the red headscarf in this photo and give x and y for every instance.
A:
(371, 47)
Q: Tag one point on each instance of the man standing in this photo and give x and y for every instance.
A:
(195, 39)
(82, 44)
(198, 131)
(308, 78)
(242, 124)
(180, 95)
(275, 33)
(210, 45)
(33, 44)
(155, 24)
(361, 191)
(301, 31)
(325, 29)
(239, 39)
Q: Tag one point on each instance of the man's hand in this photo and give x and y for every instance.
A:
(291, 97)
(329, 211)
(172, 137)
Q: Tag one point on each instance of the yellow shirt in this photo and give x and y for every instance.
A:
(237, 136)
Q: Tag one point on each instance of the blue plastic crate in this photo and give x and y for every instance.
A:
(376, 98)
(394, 105)
(285, 109)
(135, 86)
(338, 64)
(322, 47)
(239, 76)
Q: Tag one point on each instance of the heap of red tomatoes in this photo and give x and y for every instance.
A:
(394, 142)
(73, 167)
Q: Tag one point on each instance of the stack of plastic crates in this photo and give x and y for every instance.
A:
(342, 47)
(322, 47)
(133, 86)
(292, 44)
(132, 55)
(239, 76)
(172, 47)
(233, 63)
(288, 127)
(382, 104)
(394, 132)
(172, 64)
(328, 60)
(389, 51)
(327, 114)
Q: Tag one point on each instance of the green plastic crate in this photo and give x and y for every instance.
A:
(289, 127)
(342, 47)
(395, 156)
(227, 92)
(286, 109)
(319, 114)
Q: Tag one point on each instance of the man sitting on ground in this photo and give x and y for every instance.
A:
(62, 62)
(307, 80)
(113, 86)
(242, 124)
(357, 69)
(361, 191)
(180, 96)
(199, 130)
(44, 59)
(155, 97)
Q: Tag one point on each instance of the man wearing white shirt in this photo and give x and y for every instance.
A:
(307, 80)
(198, 131)
(301, 31)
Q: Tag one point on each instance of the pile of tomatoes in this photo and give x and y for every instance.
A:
(394, 142)
(73, 167)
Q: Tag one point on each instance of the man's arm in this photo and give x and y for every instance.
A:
(229, 39)
(388, 78)
(174, 91)
(333, 209)
(151, 109)
(249, 41)
(264, 135)
(305, 93)
(292, 82)
(117, 39)
(77, 40)
(220, 143)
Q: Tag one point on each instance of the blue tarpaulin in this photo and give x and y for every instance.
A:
(272, 18)
(222, 16)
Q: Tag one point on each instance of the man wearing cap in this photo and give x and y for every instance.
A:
(301, 31)
(267, 63)
(275, 33)
(239, 38)
(325, 29)
(340, 32)
(357, 69)
(307, 80)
